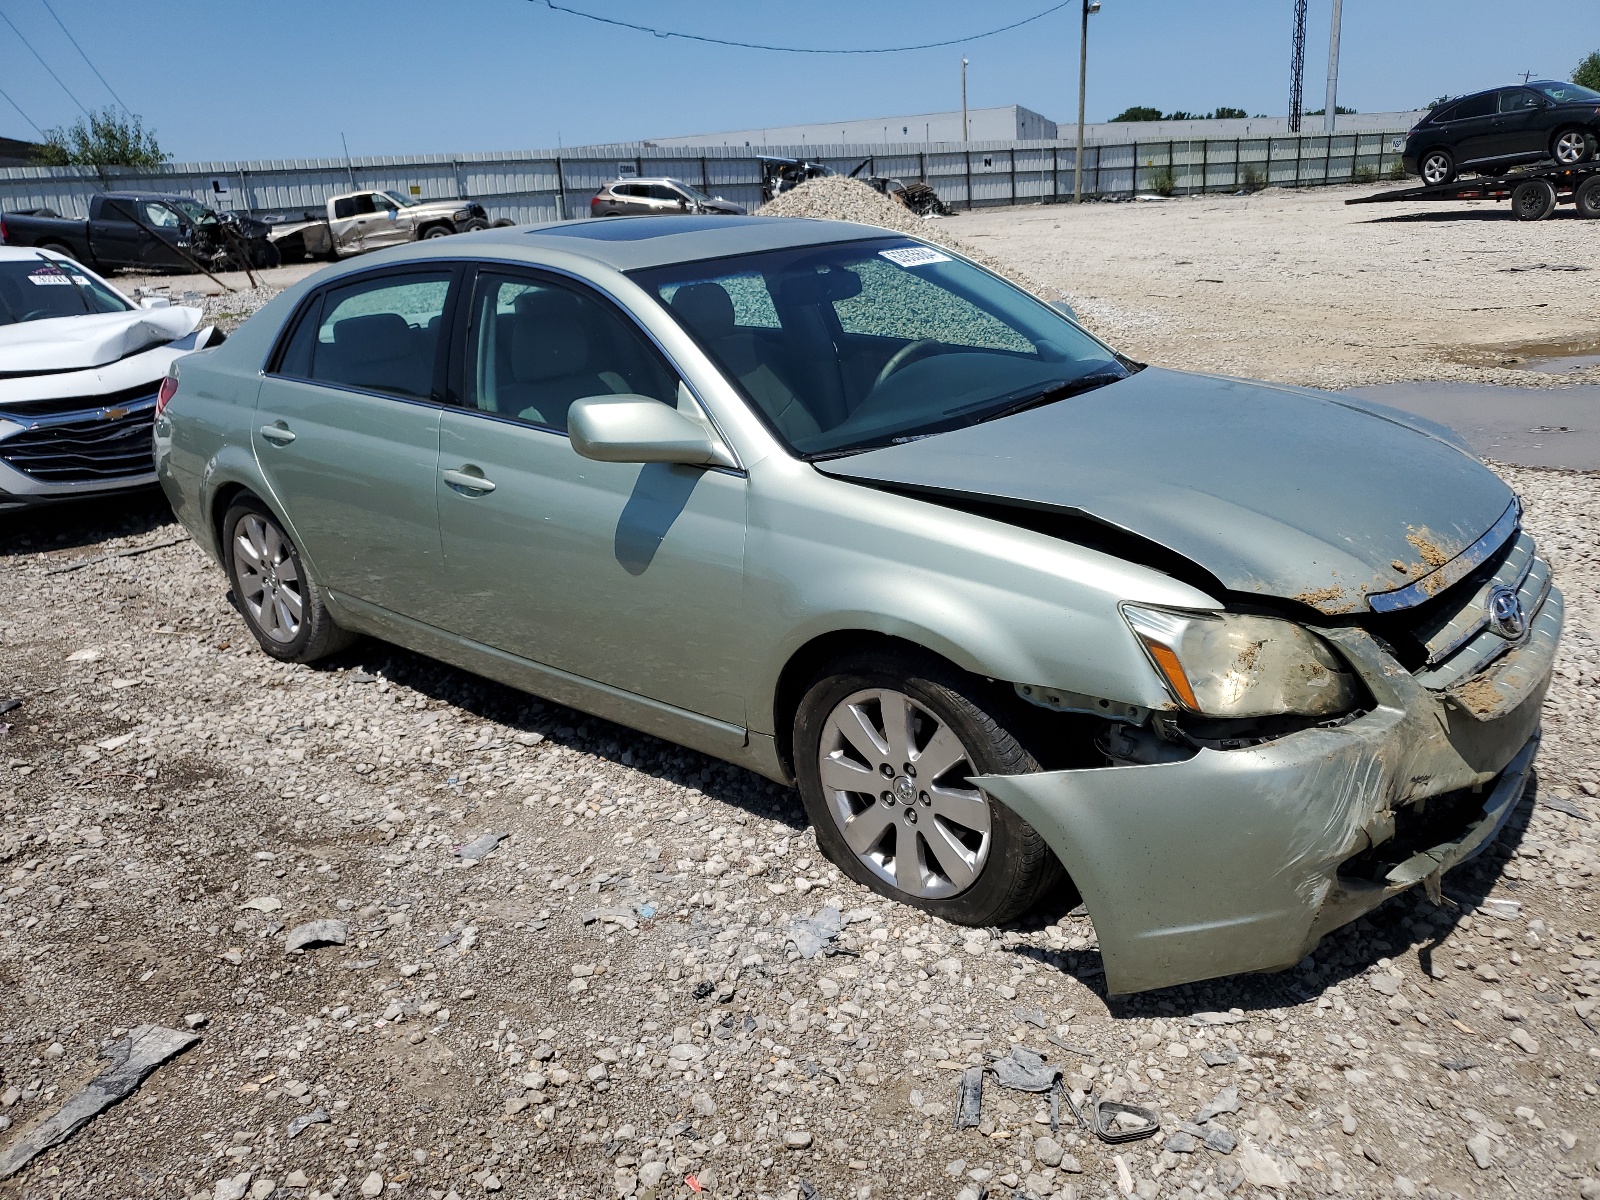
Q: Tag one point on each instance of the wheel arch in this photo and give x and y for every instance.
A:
(804, 663)
(441, 223)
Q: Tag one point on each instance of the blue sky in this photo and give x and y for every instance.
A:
(224, 79)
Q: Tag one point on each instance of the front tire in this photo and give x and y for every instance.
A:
(1570, 147)
(280, 602)
(436, 231)
(884, 747)
(1437, 166)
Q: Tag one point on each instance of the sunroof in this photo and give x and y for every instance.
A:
(632, 229)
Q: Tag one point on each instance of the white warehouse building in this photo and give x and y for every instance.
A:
(1011, 123)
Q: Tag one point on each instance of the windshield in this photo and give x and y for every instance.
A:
(691, 192)
(845, 347)
(40, 288)
(1567, 93)
(403, 201)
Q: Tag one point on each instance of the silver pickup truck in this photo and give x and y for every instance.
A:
(360, 221)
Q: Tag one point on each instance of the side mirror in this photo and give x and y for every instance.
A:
(155, 302)
(637, 429)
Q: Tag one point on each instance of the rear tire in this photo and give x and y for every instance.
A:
(280, 602)
(1587, 198)
(58, 248)
(936, 842)
(1569, 147)
(1437, 166)
(1533, 200)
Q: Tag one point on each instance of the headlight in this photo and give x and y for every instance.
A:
(1227, 665)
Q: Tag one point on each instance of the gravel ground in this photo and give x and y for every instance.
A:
(1297, 287)
(610, 1002)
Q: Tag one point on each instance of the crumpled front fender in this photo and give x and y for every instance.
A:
(1229, 861)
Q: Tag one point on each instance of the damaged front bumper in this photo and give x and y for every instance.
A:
(1241, 860)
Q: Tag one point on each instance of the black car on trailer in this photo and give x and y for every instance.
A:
(1497, 129)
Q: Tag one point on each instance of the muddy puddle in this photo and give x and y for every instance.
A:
(1531, 427)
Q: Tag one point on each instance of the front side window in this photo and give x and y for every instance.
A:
(40, 288)
(660, 191)
(538, 345)
(378, 335)
(403, 200)
(1518, 100)
(159, 216)
(382, 204)
(862, 344)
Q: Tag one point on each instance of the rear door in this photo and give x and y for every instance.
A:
(1472, 127)
(115, 239)
(627, 574)
(348, 435)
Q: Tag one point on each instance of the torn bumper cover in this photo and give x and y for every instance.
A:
(1241, 860)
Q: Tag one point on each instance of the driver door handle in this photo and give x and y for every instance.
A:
(281, 434)
(467, 482)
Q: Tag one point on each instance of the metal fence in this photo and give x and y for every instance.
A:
(533, 186)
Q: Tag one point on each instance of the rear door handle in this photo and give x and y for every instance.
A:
(281, 434)
(468, 482)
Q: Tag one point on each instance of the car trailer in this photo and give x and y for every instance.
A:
(1534, 193)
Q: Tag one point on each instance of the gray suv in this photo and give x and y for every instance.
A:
(657, 198)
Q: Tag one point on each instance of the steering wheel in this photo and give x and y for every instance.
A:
(908, 353)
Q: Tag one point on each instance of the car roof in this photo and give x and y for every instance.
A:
(630, 243)
(19, 253)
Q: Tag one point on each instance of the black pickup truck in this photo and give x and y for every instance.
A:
(147, 231)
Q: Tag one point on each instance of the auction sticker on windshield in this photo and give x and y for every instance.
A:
(49, 276)
(913, 256)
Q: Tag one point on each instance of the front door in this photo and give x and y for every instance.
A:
(347, 435)
(627, 574)
(1519, 127)
(391, 226)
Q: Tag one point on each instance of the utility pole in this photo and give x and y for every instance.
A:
(965, 130)
(1297, 68)
(1089, 6)
(1331, 109)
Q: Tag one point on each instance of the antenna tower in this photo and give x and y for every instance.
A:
(1297, 67)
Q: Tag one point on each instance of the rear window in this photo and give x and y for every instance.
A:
(40, 288)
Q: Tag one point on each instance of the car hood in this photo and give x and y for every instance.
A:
(91, 340)
(1274, 491)
(718, 204)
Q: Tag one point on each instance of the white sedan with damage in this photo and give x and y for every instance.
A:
(81, 367)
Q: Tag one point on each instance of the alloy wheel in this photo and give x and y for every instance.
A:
(1435, 169)
(1572, 147)
(268, 578)
(895, 779)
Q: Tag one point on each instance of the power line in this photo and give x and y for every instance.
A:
(715, 41)
(85, 57)
(43, 64)
(25, 116)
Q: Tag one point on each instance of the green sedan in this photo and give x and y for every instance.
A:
(1016, 614)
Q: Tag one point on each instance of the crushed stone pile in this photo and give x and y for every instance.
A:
(839, 198)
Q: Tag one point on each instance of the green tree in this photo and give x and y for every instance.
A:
(1587, 73)
(104, 139)
(1225, 114)
(1139, 112)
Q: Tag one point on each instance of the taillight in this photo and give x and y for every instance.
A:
(169, 386)
(2, 232)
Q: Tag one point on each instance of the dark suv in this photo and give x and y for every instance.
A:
(1510, 125)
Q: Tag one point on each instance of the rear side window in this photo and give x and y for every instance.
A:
(377, 335)
(1474, 106)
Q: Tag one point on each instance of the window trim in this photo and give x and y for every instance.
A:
(453, 270)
